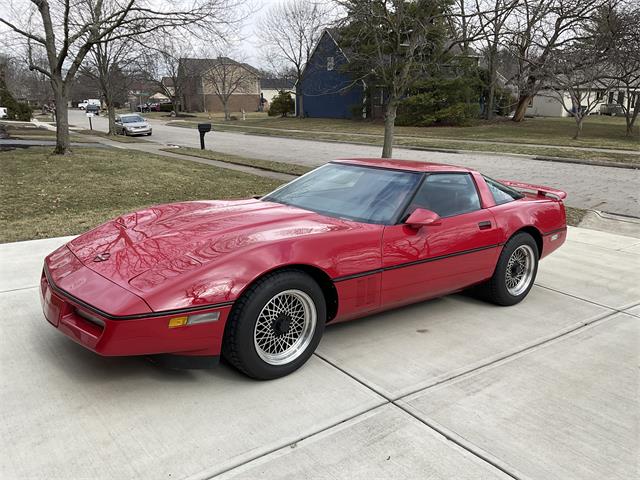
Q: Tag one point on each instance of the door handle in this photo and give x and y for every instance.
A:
(484, 225)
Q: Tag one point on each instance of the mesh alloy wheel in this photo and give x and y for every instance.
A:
(520, 269)
(285, 327)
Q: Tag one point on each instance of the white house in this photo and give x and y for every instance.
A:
(548, 103)
(269, 87)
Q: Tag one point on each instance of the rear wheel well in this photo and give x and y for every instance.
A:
(535, 233)
(320, 277)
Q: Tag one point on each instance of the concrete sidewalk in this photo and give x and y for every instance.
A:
(451, 388)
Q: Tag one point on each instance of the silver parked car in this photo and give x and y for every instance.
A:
(132, 124)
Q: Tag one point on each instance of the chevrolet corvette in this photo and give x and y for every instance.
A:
(257, 280)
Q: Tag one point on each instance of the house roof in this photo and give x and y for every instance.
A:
(276, 83)
(195, 67)
(334, 35)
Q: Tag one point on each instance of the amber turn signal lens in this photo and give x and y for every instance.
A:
(178, 322)
(194, 319)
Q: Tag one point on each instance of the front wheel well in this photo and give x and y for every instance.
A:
(320, 277)
(535, 233)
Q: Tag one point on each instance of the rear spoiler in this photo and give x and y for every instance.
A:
(538, 189)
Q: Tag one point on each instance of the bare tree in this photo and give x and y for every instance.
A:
(539, 29)
(25, 84)
(66, 30)
(289, 31)
(391, 43)
(161, 61)
(225, 77)
(492, 17)
(108, 62)
(579, 81)
(620, 24)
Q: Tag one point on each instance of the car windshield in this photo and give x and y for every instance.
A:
(132, 119)
(364, 194)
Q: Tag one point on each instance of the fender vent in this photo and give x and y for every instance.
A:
(366, 291)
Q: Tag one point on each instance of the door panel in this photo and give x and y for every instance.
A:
(438, 259)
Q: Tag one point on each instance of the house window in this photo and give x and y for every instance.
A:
(331, 63)
(610, 97)
(620, 98)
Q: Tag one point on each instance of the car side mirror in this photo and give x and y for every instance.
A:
(422, 217)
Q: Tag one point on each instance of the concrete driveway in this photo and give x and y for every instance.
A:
(452, 388)
(591, 187)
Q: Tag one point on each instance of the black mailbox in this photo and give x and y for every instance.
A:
(203, 128)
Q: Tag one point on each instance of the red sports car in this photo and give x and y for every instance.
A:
(257, 280)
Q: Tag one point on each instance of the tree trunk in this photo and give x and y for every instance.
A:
(491, 101)
(111, 112)
(299, 106)
(579, 120)
(492, 89)
(389, 127)
(631, 118)
(521, 108)
(63, 145)
(225, 106)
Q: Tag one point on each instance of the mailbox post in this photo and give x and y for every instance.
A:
(203, 128)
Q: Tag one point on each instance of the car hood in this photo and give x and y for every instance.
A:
(135, 124)
(141, 250)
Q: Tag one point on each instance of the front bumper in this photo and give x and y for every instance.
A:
(140, 334)
(139, 131)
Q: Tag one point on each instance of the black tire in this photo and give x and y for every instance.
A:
(239, 347)
(495, 289)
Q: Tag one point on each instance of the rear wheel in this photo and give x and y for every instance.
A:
(515, 271)
(276, 325)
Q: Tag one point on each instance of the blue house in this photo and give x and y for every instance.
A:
(326, 91)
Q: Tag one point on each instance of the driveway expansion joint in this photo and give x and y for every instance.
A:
(211, 476)
(18, 289)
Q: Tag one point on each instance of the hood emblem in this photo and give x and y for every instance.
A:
(101, 257)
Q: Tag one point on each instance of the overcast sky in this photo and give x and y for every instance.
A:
(248, 47)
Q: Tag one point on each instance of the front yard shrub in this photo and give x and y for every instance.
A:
(452, 102)
(282, 105)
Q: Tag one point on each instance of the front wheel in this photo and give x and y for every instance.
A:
(276, 325)
(515, 271)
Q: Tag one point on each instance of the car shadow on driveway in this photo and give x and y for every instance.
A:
(87, 367)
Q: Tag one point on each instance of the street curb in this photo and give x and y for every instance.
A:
(266, 169)
(597, 163)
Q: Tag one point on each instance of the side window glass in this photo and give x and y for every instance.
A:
(447, 194)
(501, 193)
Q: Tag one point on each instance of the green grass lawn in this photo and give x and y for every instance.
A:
(269, 165)
(599, 131)
(29, 132)
(42, 195)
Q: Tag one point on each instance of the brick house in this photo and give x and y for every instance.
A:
(205, 78)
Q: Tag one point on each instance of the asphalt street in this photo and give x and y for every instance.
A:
(615, 190)
(452, 388)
